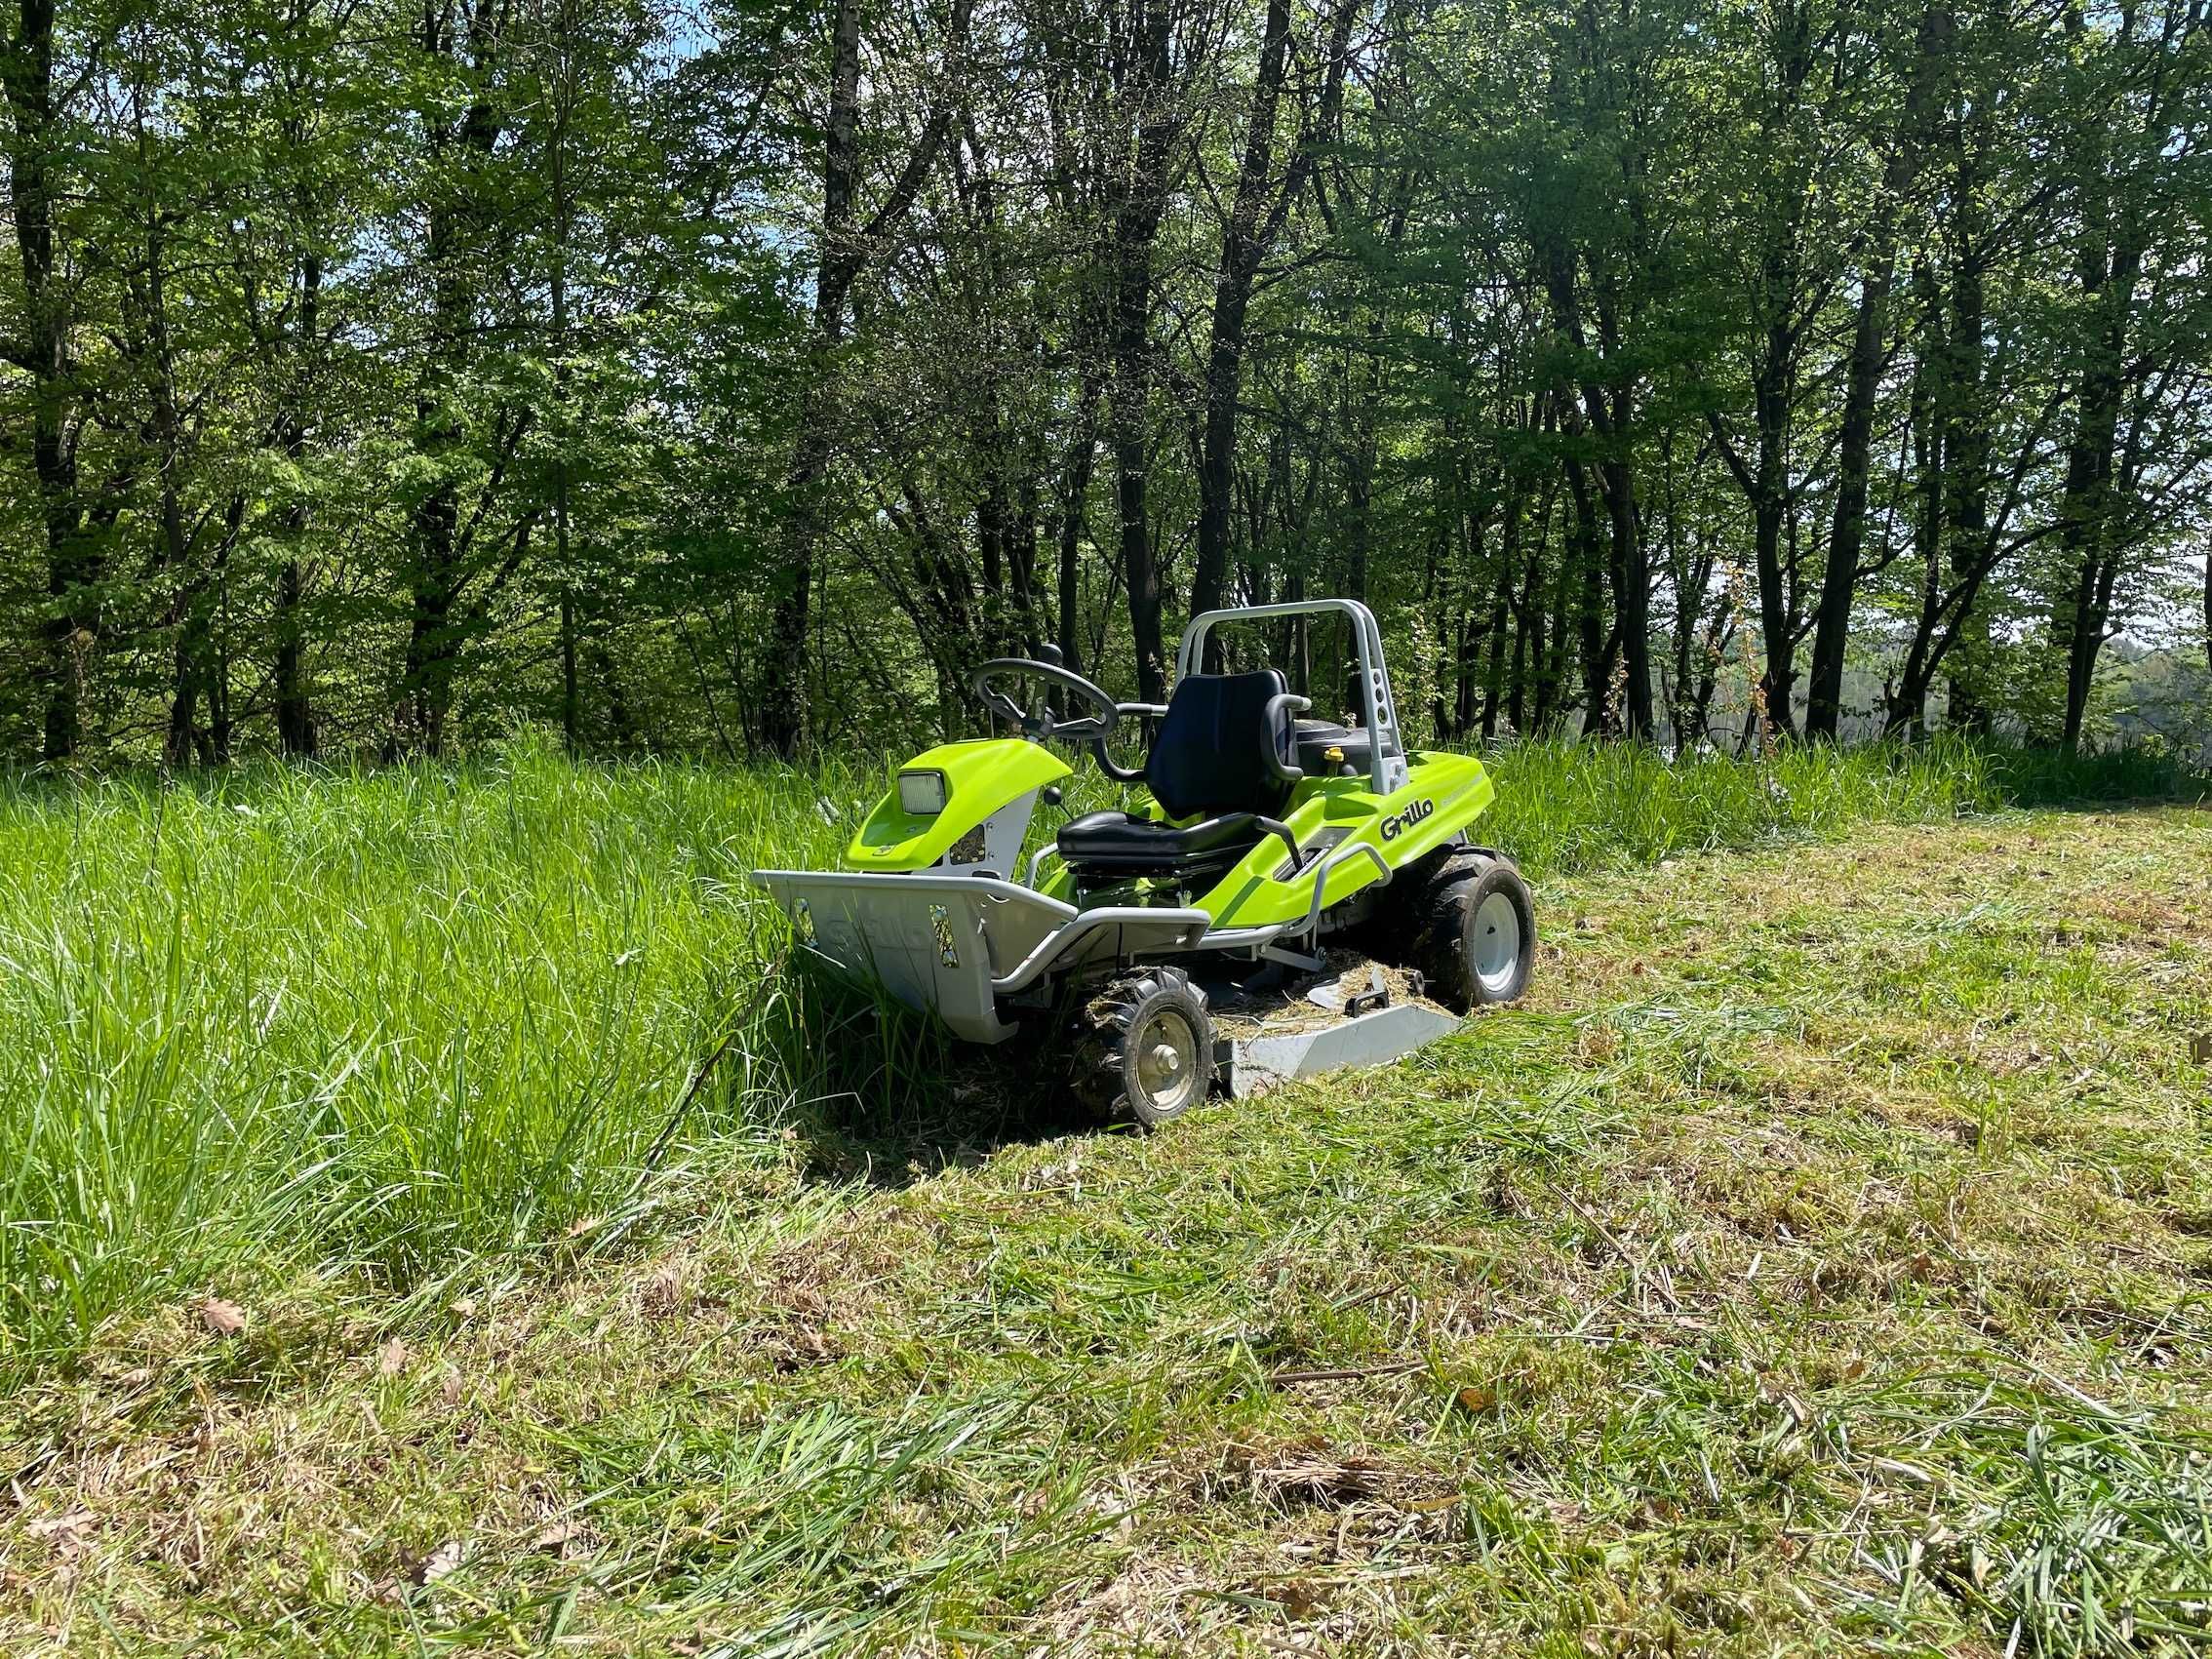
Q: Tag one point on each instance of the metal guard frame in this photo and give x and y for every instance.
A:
(1202, 935)
(1379, 705)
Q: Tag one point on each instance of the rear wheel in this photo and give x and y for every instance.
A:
(1148, 1049)
(1478, 932)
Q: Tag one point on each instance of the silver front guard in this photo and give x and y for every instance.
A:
(953, 945)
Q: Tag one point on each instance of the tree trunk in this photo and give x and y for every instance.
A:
(1831, 620)
(1245, 242)
(572, 713)
(1878, 279)
(1360, 484)
(71, 628)
(458, 153)
(1963, 412)
(295, 721)
(1589, 565)
(1906, 697)
(783, 698)
(1501, 610)
(1075, 518)
(1527, 646)
(1632, 591)
(1769, 493)
(300, 341)
(2088, 507)
(1958, 547)
(1255, 218)
(2108, 266)
(1142, 200)
(785, 692)
(294, 717)
(1552, 679)
(435, 525)
(1607, 414)
(1781, 281)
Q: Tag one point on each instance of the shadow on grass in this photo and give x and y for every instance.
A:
(883, 1093)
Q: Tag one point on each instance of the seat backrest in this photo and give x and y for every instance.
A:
(1211, 752)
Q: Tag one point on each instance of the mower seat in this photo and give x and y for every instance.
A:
(1125, 845)
(1211, 757)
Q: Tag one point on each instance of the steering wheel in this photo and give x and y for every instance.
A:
(1041, 727)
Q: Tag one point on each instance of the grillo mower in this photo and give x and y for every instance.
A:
(1258, 835)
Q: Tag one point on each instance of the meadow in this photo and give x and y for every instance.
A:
(407, 1026)
(1816, 1259)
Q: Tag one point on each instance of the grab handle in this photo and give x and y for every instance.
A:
(1281, 707)
(1341, 856)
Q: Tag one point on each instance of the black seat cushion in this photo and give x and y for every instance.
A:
(1122, 843)
(1211, 752)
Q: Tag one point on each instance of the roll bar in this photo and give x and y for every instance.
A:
(1386, 765)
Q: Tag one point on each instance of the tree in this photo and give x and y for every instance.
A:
(1256, 217)
(382, 380)
(847, 247)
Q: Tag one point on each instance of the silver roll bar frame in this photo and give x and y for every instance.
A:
(1050, 849)
(1386, 765)
(1387, 773)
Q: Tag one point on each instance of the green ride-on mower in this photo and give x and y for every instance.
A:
(1257, 836)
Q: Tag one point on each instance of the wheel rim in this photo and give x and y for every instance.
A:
(1167, 1061)
(1497, 943)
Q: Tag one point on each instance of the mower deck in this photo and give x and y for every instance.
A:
(952, 945)
(1353, 1012)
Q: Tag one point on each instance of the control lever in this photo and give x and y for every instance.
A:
(1375, 996)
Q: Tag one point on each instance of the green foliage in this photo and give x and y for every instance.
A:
(394, 377)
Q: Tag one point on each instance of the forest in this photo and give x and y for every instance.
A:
(382, 380)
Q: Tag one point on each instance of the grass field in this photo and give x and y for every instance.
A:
(1817, 1259)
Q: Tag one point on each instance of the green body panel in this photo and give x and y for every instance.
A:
(1445, 793)
(980, 777)
(1442, 796)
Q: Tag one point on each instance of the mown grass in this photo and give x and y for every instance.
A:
(404, 1027)
(1816, 1263)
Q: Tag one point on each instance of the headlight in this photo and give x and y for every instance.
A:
(921, 793)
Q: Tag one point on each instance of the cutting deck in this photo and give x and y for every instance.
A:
(1351, 1011)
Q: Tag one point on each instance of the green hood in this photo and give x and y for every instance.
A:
(980, 777)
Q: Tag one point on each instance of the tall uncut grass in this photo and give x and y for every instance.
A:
(377, 1021)
(388, 1024)
(1563, 806)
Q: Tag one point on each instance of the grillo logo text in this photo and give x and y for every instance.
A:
(1399, 823)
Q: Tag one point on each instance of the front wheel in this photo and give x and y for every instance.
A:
(1478, 933)
(1149, 1049)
